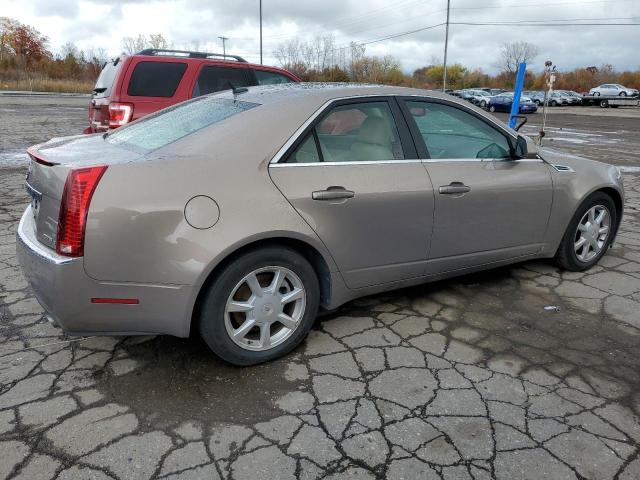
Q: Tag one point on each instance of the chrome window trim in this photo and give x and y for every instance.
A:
(281, 152)
(34, 246)
(351, 162)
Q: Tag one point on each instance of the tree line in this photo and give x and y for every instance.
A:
(27, 63)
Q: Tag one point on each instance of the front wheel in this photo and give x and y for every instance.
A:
(596, 94)
(554, 103)
(492, 108)
(483, 104)
(623, 94)
(589, 233)
(260, 306)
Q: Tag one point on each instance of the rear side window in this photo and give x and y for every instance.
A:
(270, 78)
(215, 79)
(156, 79)
(176, 122)
(105, 79)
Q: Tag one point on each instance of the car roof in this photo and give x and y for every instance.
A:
(208, 60)
(319, 92)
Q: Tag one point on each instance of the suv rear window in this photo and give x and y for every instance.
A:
(105, 79)
(215, 79)
(176, 122)
(156, 79)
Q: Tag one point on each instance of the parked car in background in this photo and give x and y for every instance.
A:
(574, 98)
(503, 102)
(613, 89)
(537, 96)
(132, 86)
(479, 97)
(556, 99)
(354, 190)
(466, 94)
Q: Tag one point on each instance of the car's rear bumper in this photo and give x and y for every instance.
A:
(65, 291)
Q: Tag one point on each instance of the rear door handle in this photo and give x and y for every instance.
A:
(454, 188)
(333, 193)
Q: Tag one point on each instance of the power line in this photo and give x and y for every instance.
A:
(525, 5)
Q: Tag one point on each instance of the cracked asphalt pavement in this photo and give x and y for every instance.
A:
(524, 372)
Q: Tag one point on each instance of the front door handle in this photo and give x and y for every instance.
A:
(333, 193)
(454, 188)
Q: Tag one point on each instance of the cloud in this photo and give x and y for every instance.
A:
(200, 22)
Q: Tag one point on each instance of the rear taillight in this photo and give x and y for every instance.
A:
(76, 197)
(119, 114)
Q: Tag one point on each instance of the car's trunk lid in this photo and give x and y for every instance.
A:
(48, 169)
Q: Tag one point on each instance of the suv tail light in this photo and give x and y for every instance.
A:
(119, 114)
(74, 206)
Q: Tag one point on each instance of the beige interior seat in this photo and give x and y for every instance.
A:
(374, 141)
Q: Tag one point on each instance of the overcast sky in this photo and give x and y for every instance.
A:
(102, 24)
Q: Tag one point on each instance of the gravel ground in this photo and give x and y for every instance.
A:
(471, 378)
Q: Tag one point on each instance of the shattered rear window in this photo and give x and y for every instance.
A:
(173, 123)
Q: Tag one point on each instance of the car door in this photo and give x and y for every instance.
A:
(354, 176)
(489, 206)
(609, 90)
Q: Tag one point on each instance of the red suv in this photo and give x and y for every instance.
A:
(133, 86)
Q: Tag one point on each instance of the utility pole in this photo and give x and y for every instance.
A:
(260, 32)
(446, 46)
(224, 46)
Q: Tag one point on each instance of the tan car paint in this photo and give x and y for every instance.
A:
(139, 244)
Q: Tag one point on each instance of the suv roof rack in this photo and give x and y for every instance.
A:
(190, 54)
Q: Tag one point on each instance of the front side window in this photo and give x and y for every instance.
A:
(270, 78)
(215, 79)
(452, 133)
(156, 79)
(358, 132)
(173, 123)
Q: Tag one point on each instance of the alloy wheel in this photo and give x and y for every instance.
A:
(265, 308)
(592, 233)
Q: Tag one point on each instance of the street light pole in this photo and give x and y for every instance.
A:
(224, 47)
(260, 32)
(446, 46)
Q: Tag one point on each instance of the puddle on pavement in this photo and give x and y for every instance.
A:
(180, 379)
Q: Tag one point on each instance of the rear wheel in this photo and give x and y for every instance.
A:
(260, 306)
(483, 104)
(596, 94)
(492, 108)
(623, 94)
(554, 103)
(589, 233)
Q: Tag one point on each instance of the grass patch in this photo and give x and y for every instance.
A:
(48, 85)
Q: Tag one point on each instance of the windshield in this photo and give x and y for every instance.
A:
(173, 123)
(105, 79)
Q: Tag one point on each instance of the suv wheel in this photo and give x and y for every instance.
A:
(589, 233)
(260, 306)
(623, 94)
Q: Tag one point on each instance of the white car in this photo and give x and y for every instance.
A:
(613, 89)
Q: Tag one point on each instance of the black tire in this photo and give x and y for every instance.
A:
(623, 94)
(212, 311)
(483, 104)
(554, 103)
(492, 108)
(566, 256)
(604, 103)
(596, 94)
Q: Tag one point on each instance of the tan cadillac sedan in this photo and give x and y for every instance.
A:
(239, 215)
